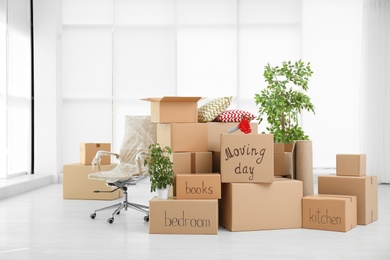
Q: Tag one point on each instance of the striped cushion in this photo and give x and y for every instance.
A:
(234, 115)
(209, 111)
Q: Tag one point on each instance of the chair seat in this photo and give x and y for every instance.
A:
(122, 172)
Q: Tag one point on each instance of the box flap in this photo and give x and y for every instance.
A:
(173, 99)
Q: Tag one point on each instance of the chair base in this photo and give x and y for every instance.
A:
(125, 204)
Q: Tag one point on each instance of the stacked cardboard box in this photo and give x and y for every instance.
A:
(194, 210)
(252, 198)
(346, 199)
(76, 184)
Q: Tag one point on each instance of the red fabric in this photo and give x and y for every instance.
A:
(234, 115)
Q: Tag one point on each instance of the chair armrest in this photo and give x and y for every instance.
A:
(96, 159)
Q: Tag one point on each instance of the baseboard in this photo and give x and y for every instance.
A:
(21, 184)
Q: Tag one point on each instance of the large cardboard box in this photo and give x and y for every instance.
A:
(247, 158)
(89, 150)
(329, 212)
(183, 137)
(364, 188)
(284, 160)
(174, 216)
(76, 184)
(174, 109)
(198, 186)
(258, 206)
(351, 164)
(215, 129)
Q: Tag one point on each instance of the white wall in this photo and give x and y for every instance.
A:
(331, 41)
(48, 90)
(208, 48)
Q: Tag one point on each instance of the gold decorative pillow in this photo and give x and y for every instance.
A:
(209, 111)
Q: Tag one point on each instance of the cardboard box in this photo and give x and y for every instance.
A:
(351, 164)
(198, 186)
(89, 150)
(284, 160)
(364, 188)
(215, 129)
(201, 162)
(174, 109)
(329, 212)
(174, 216)
(76, 184)
(259, 206)
(247, 158)
(183, 137)
(192, 162)
(181, 162)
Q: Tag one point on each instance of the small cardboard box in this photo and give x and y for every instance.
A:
(259, 206)
(284, 160)
(181, 162)
(329, 212)
(89, 150)
(215, 129)
(174, 216)
(247, 158)
(76, 184)
(198, 186)
(174, 109)
(364, 188)
(201, 162)
(351, 164)
(183, 137)
(192, 162)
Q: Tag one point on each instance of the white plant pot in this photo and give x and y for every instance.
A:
(162, 194)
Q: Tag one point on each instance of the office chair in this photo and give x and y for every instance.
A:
(139, 134)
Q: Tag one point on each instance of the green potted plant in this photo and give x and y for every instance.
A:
(284, 99)
(160, 169)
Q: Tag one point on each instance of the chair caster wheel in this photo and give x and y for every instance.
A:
(118, 213)
(146, 218)
(93, 216)
(110, 220)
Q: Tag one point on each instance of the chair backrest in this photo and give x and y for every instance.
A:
(139, 134)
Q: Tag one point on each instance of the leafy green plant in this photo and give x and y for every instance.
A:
(284, 99)
(160, 166)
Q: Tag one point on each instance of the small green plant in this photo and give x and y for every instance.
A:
(284, 99)
(160, 167)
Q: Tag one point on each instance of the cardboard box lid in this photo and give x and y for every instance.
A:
(173, 99)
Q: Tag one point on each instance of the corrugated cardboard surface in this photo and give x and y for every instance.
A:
(351, 164)
(198, 186)
(364, 188)
(174, 216)
(247, 158)
(76, 184)
(257, 206)
(183, 137)
(174, 109)
(89, 150)
(329, 212)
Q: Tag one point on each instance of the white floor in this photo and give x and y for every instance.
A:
(41, 225)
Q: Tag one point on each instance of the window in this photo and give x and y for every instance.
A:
(116, 52)
(15, 88)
